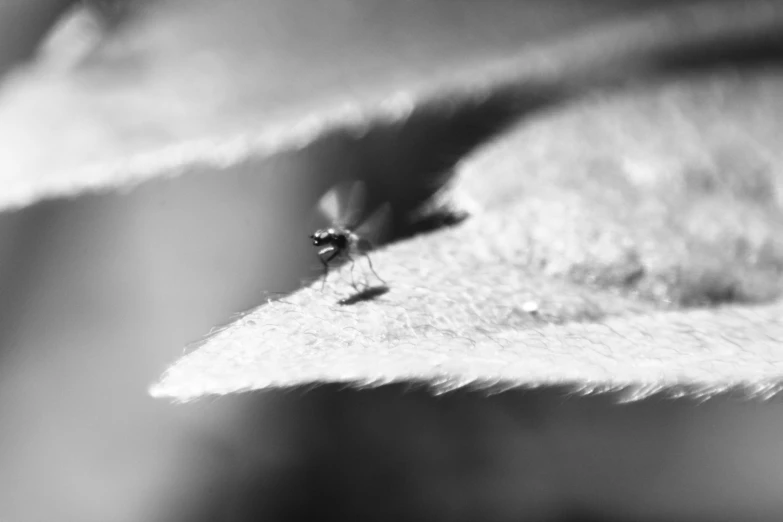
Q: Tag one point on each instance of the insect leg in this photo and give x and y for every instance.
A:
(369, 262)
(326, 271)
(333, 252)
(353, 264)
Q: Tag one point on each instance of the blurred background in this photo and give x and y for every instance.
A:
(101, 292)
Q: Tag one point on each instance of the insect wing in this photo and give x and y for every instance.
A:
(343, 205)
(329, 206)
(353, 206)
(375, 230)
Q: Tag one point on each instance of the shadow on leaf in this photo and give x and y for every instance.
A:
(367, 294)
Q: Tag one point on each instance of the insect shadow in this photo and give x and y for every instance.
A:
(365, 294)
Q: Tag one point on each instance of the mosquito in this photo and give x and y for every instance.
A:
(349, 235)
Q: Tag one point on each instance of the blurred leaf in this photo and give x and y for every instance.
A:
(178, 86)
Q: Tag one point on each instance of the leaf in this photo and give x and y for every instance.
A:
(619, 245)
(150, 102)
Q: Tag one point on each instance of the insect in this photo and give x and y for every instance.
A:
(348, 235)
